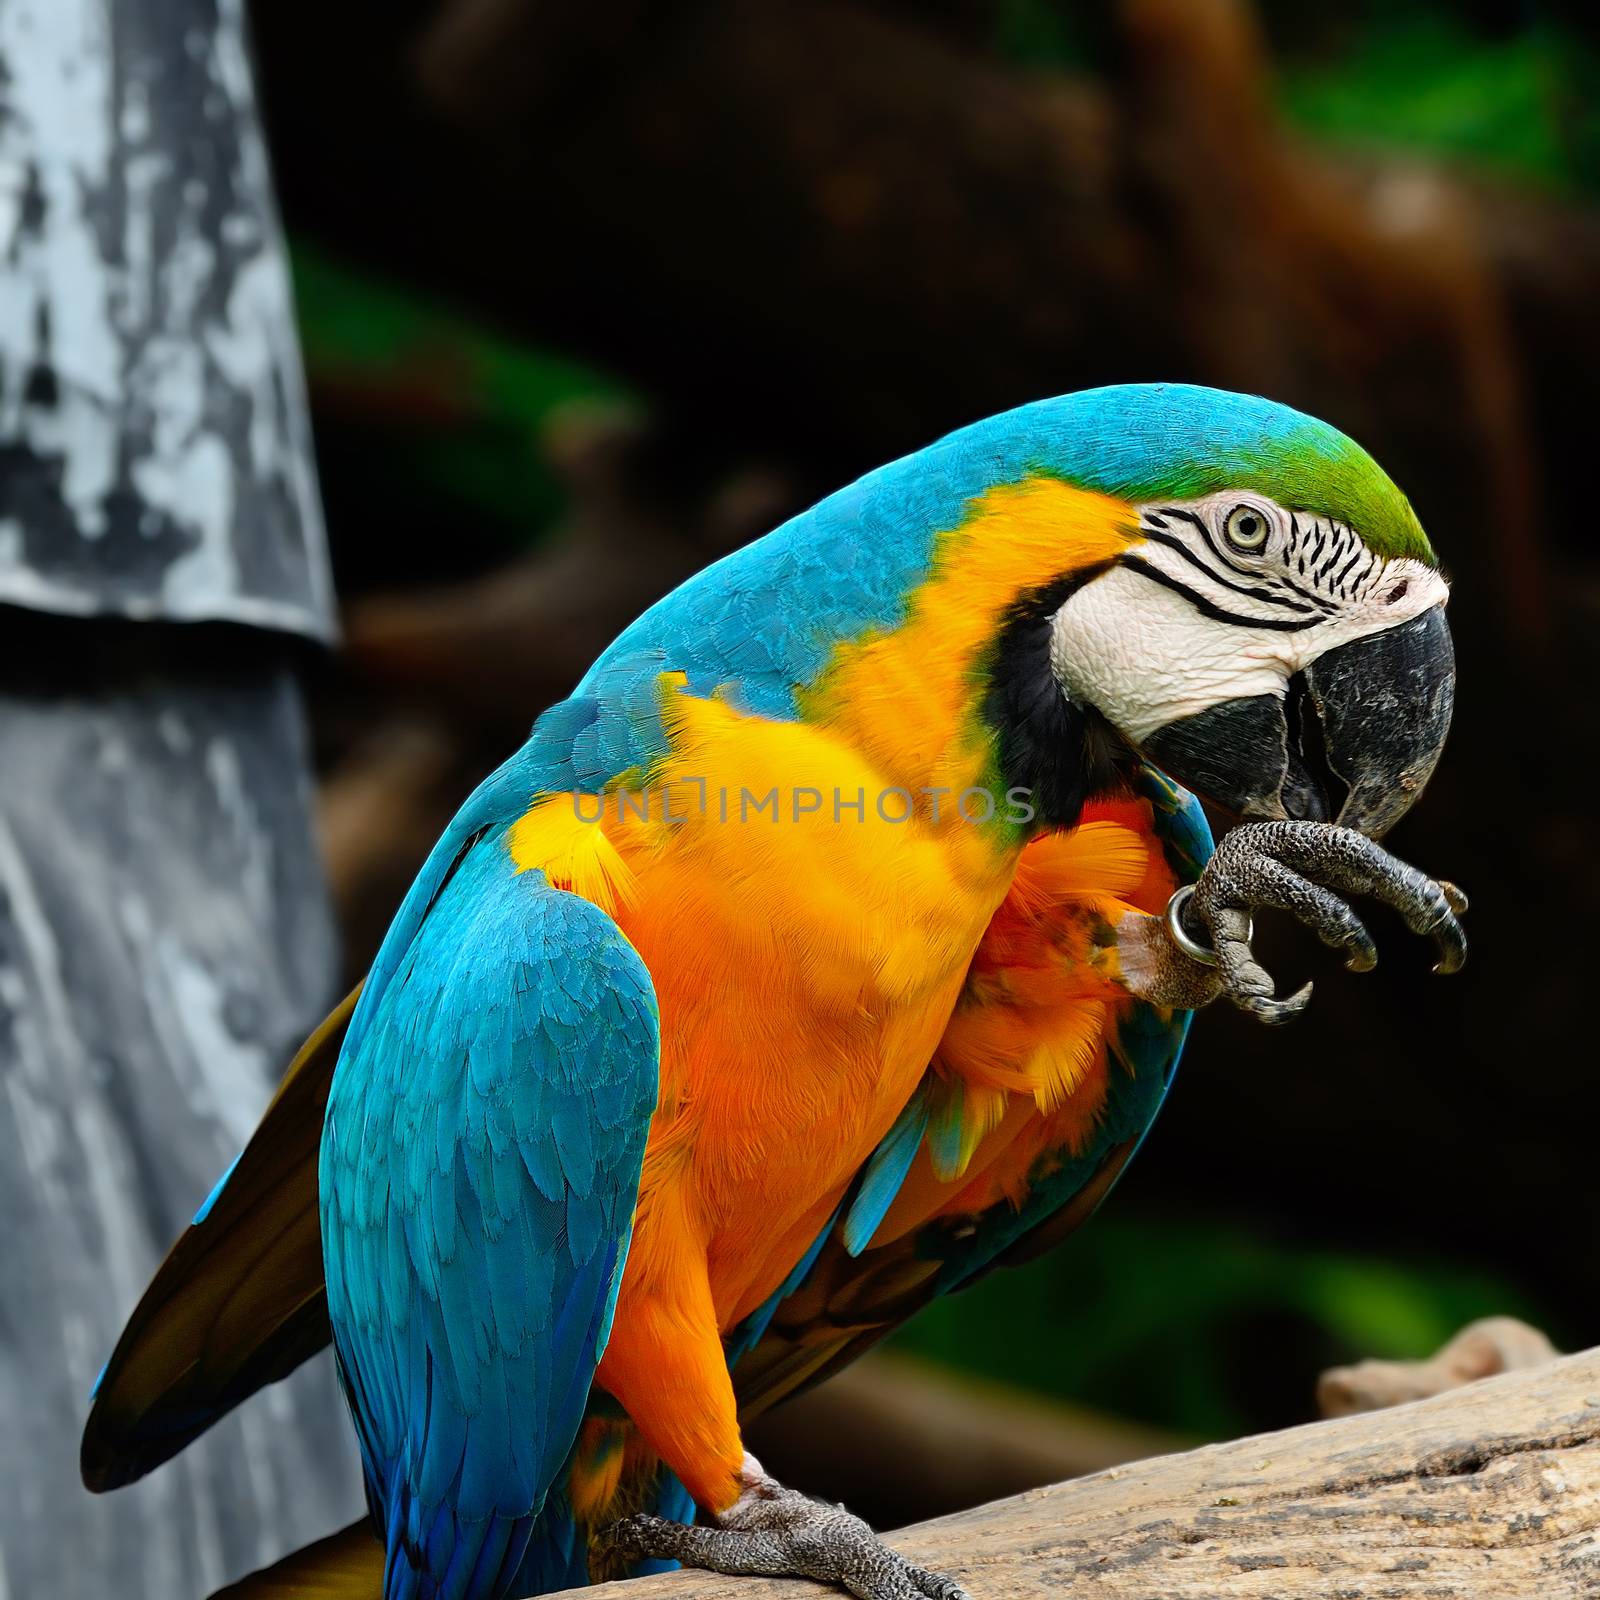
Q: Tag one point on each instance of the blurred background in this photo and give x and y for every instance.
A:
(588, 295)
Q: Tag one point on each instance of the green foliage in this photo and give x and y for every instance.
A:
(1206, 1328)
(1521, 98)
(353, 322)
(429, 413)
(1418, 78)
(1043, 34)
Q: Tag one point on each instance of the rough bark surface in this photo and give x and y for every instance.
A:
(165, 943)
(1491, 1492)
(155, 454)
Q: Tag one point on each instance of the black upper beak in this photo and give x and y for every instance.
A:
(1353, 741)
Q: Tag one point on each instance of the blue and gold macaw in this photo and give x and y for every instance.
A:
(832, 944)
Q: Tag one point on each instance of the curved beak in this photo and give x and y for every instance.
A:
(1353, 740)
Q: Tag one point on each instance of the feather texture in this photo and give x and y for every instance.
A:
(1033, 1176)
(479, 1168)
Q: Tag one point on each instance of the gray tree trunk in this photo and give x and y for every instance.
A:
(165, 938)
(154, 444)
(165, 943)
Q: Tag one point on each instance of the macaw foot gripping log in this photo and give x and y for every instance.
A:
(668, 1094)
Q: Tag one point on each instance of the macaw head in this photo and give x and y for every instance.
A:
(1274, 636)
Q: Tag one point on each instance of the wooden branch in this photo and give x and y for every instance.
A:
(1490, 1491)
(498, 648)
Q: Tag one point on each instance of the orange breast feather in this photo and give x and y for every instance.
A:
(1023, 1066)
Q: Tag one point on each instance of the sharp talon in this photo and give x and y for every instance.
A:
(1454, 896)
(1452, 944)
(1277, 1012)
(1361, 954)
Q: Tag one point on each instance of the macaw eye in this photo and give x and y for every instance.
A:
(1246, 528)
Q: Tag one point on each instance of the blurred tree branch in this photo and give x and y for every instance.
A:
(1480, 1350)
(838, 216)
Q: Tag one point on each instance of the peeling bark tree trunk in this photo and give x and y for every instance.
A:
(165, 939)
(154, 443)
(1489, 1492)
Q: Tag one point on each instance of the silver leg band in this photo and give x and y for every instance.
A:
(1185, 941)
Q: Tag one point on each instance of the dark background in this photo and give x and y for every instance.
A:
(591, 292)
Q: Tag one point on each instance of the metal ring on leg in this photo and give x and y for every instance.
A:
(1186, 941)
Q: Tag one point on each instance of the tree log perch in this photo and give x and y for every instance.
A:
(1490, 1491)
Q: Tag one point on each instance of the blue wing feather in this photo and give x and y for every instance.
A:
(480, 1166)
(885, 1172)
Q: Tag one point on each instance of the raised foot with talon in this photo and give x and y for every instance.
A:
(1294, 867)
(774, 1532)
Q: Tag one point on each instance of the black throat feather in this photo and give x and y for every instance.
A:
(1062, 754)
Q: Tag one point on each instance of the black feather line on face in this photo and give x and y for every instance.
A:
(1344, 571)
(1320, 576)
(1210, 608)
(1062, 753)
(1251, 591)
(1293, 545)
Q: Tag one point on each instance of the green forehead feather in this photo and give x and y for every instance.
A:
(1316, 468)
(1171, 441)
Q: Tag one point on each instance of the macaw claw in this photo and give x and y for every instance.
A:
(775, 1532)
(1295, 867)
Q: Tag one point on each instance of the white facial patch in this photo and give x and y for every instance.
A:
(1225, 598)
